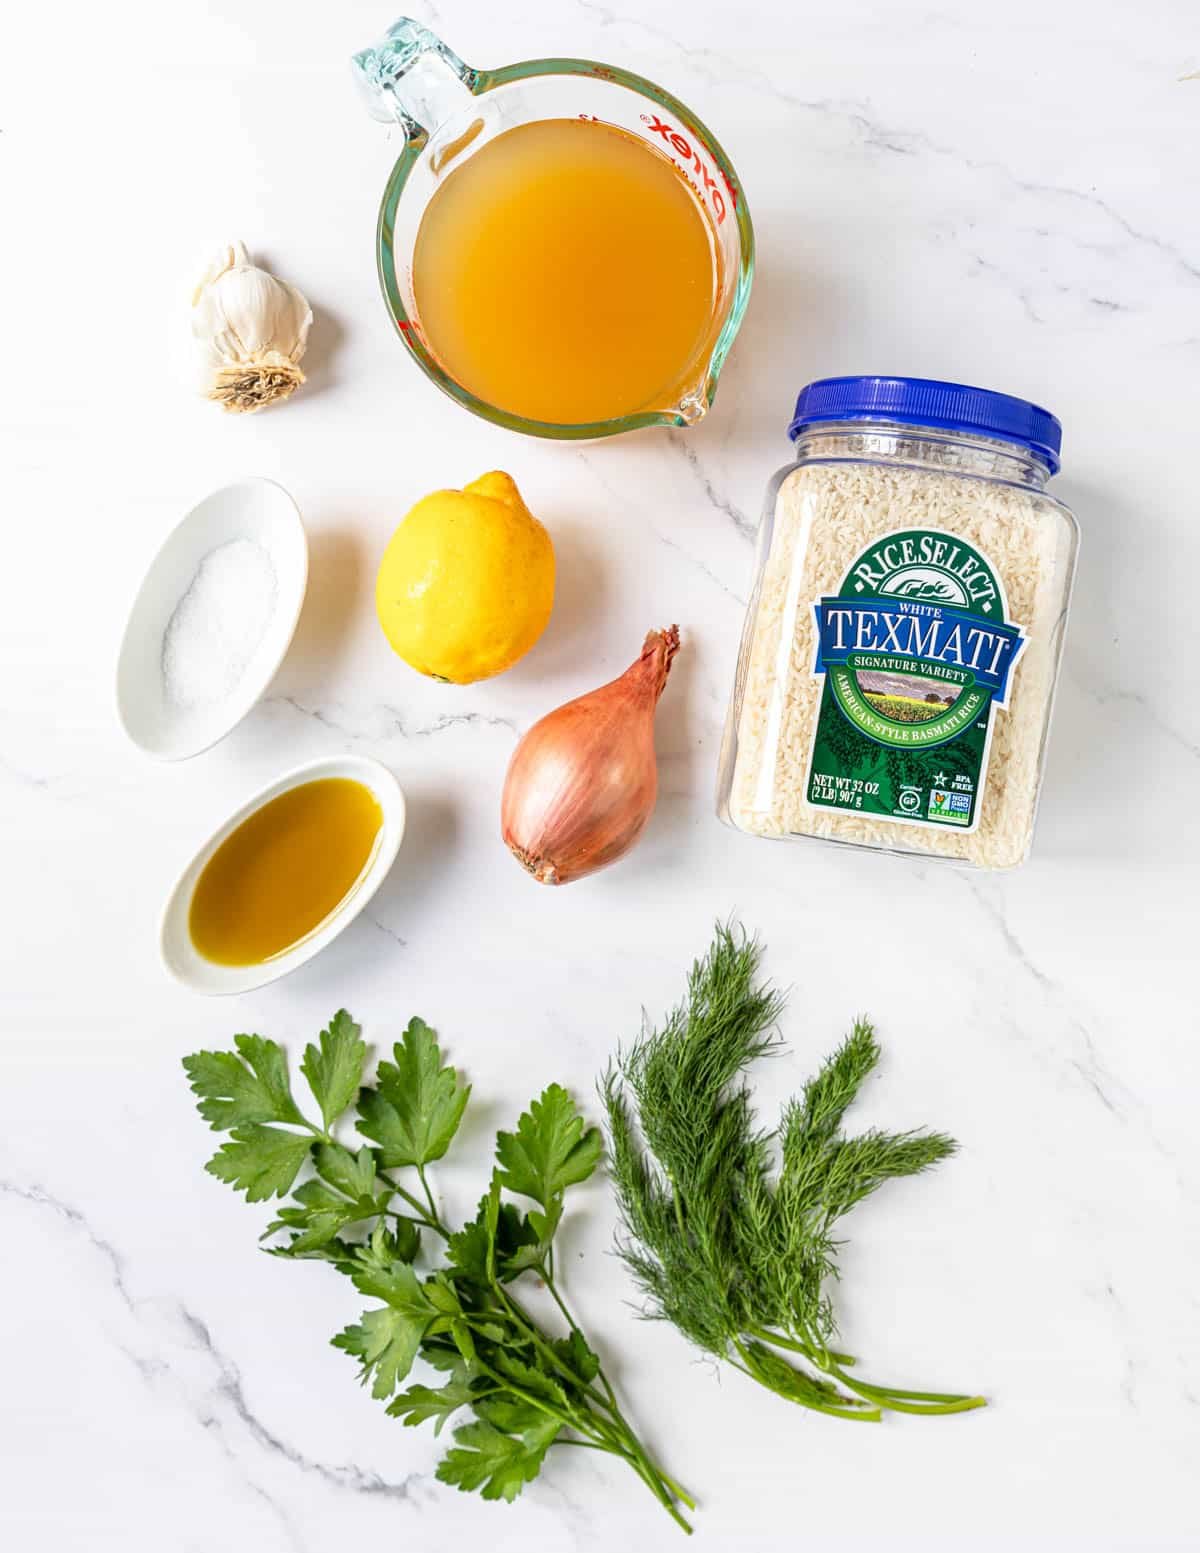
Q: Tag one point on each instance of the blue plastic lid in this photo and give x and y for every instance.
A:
(919, 401)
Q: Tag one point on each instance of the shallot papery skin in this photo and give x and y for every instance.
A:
(582, 782)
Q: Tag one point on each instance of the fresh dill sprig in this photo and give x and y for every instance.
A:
(727, 1228)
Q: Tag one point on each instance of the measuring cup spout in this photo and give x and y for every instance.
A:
(412, 78)
(694, 403)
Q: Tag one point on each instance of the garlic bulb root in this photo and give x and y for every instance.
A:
(251, 330)
(243, 390)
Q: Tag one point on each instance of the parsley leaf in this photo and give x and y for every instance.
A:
(260, 1161)
(578, 1356)
(351, 1174)
(523, 1384)
(550, 1149)
(496, 1464)
(346, 1193)
(334, 1069)
(396, 1283)
(386, 1246)
(420, 1403)
(509, 1413)
(385, 1343)
(252, 1087)
(317, 1215)
(531, 1380)
(415, 1108)
(512, 1235)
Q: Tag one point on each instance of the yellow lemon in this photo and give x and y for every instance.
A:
(466, 584)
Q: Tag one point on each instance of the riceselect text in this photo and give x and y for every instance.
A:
(879, 564)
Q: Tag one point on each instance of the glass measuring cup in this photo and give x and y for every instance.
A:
(449, 111)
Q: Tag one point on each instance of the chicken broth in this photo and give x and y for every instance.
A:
(566, 272)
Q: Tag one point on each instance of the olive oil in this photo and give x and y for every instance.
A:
(284, 871)
(566, 272)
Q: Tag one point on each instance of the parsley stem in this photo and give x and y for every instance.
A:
(426, 1217)
(575, 1327)
(433, 1213)
(613, 1432)
(407, 1218)
(548, 1275)
(627, 1446)
(567, 1420)
(522, 1318)
(638, 1457)
(612, 1404)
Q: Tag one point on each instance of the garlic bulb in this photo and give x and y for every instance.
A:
(251, 331)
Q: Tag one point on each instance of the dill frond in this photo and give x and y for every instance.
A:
(728, 1236)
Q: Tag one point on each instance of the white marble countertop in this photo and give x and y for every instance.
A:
(1003, 196)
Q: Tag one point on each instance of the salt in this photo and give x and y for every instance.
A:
(218, 624)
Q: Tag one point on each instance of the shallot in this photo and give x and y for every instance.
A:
(582, 782)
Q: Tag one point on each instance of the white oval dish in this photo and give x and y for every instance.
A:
(179, 955)
(257, 510)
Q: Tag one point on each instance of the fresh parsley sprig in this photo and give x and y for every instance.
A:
(528, 1390)
(734, 1254)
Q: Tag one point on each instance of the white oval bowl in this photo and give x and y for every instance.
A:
(180, 956)
(257, 510)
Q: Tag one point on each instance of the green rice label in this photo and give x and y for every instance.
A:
(917, 654)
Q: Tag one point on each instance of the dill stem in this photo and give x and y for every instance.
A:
(809, 1350)
(677, 1489)
(864, 1415)
(921, 1396)
(678, 1208)
(934, 1403)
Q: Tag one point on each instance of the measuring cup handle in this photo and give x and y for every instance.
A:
(412, 78)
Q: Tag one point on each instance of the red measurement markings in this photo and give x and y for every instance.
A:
(683, 148)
